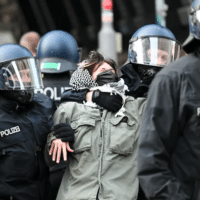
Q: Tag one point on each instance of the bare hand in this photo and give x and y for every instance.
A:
(56, 147)
(89, 96)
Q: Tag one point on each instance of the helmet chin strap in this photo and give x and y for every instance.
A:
(23, 97)
(145, 71)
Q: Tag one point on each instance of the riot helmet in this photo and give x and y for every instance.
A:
(19, 73)
(59, 44)
(153, 45)
(194, 26)
(58, 54)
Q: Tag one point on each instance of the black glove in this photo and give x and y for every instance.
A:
(106, 100)
(64, 132)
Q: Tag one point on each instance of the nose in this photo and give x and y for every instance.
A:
(160, 61)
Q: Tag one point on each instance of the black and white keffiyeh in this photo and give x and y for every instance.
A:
(81, 79)
(119, 88)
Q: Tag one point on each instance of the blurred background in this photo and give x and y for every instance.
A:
(82, 18)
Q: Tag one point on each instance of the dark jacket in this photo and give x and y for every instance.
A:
(169, 142)
(23, 134)
(137, 87)
(74, 96)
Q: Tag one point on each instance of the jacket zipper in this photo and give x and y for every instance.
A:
(37, 148)
(102, 147)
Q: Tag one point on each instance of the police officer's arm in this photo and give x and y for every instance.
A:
(157, 139)
(58, 138)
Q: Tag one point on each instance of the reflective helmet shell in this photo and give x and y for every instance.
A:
(58, 44)
(12, 52)
(152, 34)
(154, 30)
(9, 53)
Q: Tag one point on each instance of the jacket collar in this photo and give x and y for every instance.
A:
(136, 86)
(8, 106)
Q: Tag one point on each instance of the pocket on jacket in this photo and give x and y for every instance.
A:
(17, 152)
(83, 133)
(122, 136)
(11, 139)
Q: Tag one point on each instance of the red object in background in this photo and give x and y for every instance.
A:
(108, 4)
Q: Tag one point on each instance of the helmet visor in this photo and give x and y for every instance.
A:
(197, 13)
(153, 51)
(22, 74)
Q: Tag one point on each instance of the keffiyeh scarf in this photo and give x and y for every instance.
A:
(81, 79)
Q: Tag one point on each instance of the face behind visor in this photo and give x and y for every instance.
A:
(153, 51)
(19, 79)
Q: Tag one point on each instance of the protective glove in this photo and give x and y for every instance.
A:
(110, 102)
(64, 132)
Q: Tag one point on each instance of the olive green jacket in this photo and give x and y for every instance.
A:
(104, 162)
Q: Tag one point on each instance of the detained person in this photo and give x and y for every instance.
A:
(102, 163)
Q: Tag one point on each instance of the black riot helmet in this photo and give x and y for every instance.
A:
(19, 73)
(58, 54)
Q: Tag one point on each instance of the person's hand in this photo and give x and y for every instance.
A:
(64, 132)
(89, 96)
(110, 102)
(57, 148)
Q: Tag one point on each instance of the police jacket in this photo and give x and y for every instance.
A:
(23, 134)
(169, 142)
(74, 96)
(104, 161)
(137, 87)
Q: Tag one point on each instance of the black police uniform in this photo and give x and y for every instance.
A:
(56, 81)
(23, 134)
(137, 88)
(169, 142)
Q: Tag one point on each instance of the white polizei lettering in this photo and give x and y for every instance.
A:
(13, 130)
(2, 133)
(55, 94)
(51, 91)
(10, 131)
(7, 132)
(62, 89)
(17, 128)
(198, 111)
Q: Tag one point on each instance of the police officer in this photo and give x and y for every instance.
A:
(151, 48)
(58, 53)
(169, 153)
(25, 121)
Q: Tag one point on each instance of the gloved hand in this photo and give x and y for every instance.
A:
(64, 132)
(110, 102)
